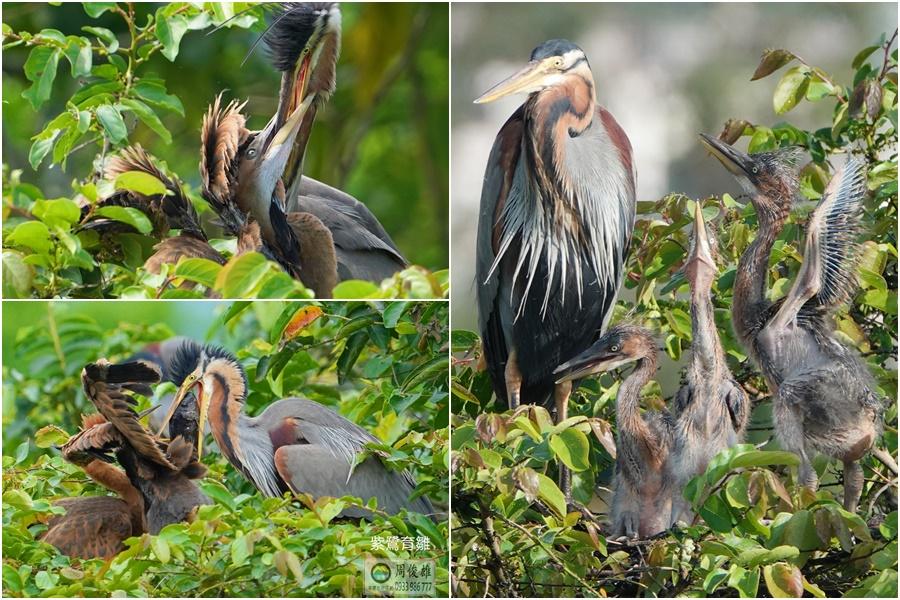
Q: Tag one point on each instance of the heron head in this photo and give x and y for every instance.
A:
(769, 178)
(700, 266)
(304, 42)
(205, 370)
(552, 64)
(619, 346)
(263, 157)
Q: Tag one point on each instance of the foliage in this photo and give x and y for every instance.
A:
(381, 365)
(117, 95)
(757, 532)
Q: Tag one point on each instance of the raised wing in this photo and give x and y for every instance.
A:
(224, 132)
(105, 385)
(827, 277)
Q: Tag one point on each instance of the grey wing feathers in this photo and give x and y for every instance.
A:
(363, 247)
(834, 225)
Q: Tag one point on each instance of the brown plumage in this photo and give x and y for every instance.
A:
(642, 501)
(155, 488)
(228, 153)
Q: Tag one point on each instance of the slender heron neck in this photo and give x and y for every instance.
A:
(752, 272)
(553, 116)
(628, 400)
(706, 348)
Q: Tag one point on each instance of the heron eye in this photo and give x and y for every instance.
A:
(614, 348)
(558, 63)
(755, 169)
(251, 153)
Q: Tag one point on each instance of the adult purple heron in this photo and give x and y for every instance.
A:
(557, 213)
(294, 445)
(824, 399)
(304, 43)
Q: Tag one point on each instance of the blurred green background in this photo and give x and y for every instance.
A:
(383, 137)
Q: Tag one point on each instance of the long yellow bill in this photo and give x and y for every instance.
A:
(523, 81)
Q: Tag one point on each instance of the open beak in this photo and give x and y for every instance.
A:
(528, 80)
(202, 398)
(737, 163)
(281, 141)
(700, 248)
(588, 363)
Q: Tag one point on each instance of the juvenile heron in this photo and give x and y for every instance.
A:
(155, 487)
(642, 500)
(557, 213)
(711, 409)
(824, 399)
(294, 445)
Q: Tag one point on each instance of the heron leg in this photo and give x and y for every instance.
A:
(561, 395)
(513, 380)
(853, 484)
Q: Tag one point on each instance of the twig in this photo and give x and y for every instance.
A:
(585, 585)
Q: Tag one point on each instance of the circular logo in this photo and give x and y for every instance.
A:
(381, 572)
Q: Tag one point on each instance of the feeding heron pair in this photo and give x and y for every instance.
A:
(555, 225)
(253, 180)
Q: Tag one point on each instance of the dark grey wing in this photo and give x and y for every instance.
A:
(364, 249)
(497, 181)
(827, 277)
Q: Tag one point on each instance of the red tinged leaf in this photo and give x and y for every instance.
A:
(771, 61)
(301, 319)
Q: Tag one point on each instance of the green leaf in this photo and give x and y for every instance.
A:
(50, 435)
(716, 514)
(241, 548)
(140, 182)
(107, 38)
(746, 582)
(764, 458)
(31, 234)
(771, 61)
(862, 55)
(392, 313)
(60, 212)
(17, 275)
(169, 31)
(241, 275)
(129, 215)
(95, 9)
(40, 148)
(112, 123)
(40, 68)
(199, 270)
(354, 288)
(551, 495)
(161, 549)
(790, 89)
(572, 447)
(78, 52)
(155, 94)
(148, 118)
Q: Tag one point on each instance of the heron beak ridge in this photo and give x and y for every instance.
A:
(176, 402)
(701, 252)
(203, 399)
(737, 163)
(527, 80)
